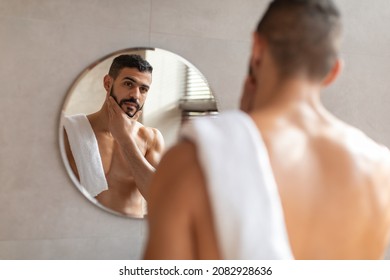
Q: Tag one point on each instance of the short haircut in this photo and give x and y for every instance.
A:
(129, 61)
(303, 36)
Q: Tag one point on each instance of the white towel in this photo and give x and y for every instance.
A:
(85, 150)
(245, 200)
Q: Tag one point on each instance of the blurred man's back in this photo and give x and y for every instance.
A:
(333, 183)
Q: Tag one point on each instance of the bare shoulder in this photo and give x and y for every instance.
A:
(177, 194)
(371, 162)
(175, 166)
(358, 143)
(365, 154)
(152, 135)
(175, 178)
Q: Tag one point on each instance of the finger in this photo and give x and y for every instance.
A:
(137, 115)
(110, 113)
(110, 109)
(114, 110)
(111, 101)
(114, 106)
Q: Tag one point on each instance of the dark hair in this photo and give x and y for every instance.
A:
(303, 36)
(129, 61)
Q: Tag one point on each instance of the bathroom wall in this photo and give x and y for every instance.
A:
(45, 44)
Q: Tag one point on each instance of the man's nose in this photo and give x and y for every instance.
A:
(135, 92)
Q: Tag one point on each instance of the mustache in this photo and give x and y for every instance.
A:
(130, 100)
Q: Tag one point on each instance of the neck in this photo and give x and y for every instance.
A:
(99, 119)
(288, 92)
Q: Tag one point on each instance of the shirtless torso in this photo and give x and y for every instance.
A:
(123, 195)
(333, 182)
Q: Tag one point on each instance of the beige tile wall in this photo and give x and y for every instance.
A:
(45, 44)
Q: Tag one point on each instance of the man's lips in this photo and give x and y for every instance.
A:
(131, 104)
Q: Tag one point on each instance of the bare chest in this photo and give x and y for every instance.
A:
(115, 166)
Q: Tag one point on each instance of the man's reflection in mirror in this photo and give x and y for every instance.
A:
(111, 153)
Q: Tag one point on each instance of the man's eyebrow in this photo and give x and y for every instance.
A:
(135, 81)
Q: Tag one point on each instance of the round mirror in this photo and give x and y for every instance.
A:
(119, 117)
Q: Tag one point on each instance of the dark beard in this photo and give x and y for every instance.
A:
(123, 101)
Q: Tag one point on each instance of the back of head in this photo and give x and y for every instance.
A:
(129, 61)
(303, 36)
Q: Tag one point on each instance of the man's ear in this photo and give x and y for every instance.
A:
(107, 83)
(257, 51)
(334, 72)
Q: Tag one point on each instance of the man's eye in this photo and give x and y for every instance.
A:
(128, 84)
(143, 90)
